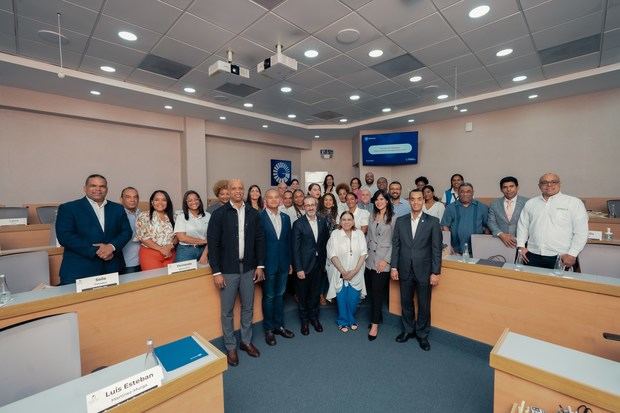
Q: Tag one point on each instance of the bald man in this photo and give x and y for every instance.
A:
(552, 224)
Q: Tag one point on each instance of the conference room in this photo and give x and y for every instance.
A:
(171, 96)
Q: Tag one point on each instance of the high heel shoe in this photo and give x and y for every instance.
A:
(371, 338)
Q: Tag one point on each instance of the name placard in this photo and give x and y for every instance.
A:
(123, 390)
(13, 221)
(595, 235)
(182, 266)
(98, 281)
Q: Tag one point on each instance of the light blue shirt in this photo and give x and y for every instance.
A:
(401, 208)
(131, 249)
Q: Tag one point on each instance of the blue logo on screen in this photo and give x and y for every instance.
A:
(280, 171)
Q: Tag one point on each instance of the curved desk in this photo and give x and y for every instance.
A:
(24, 236)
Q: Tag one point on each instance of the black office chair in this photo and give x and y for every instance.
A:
(613, 207)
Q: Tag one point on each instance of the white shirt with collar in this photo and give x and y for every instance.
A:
(99, 211)
(558, 225)
(414, 224)
(276, 220)
(240, 227)
(314, 225)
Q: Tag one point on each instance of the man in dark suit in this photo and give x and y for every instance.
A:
(277, 229)
(504, 212)
(93, 232)
(416, 262)
(237, 256)
(310, 235)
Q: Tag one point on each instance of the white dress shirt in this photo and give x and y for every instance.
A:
(414, 224)
(241, 227)
(314, 225)
(348, 250)
(276, 220)
(99, 211)
(556, 226)
(290, 211)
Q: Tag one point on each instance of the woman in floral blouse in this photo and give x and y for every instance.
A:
(155, 231)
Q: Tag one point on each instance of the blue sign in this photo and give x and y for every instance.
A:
(397, 148)
(281, 171)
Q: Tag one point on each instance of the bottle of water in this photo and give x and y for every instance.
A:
(5, 293)
(608, 235)
(559, 267)
(150, 360)
(466, 252)
(519, 262)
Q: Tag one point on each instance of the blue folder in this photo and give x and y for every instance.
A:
(179, 353)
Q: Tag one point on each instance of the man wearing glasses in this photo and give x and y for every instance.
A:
(552, 224)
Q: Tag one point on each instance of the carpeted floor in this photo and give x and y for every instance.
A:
(336, 372)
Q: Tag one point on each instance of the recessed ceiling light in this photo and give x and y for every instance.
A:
(463, 110)
(503, 52)
(343, 120)
(222, 117)
(248, 105)
(354, 97)
(375, 53)
(442, 97)
(532, 96)
(265, 126)
(129, 36)
(108, 69)
(386, 110)
(316, 136)
(311, 53)
(292, 116)
(479, 11)
(168, 107)
(189, 90)
(95, 92)
(410, 120)
(415, 78)
(285, 89)
(519, 78)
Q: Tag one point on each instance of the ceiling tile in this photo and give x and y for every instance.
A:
(577, 64)
(326, 52)
(6, 5)
(427, 77)
(47, 53)
(153, 15)
(612, 19)
(108, 27)
(335, 88)
(362, 78)
(76, 18)
(94, 5)
(382, 88)
(520, 47)
(7, 43)
(179, 52)
(457, 14)
(114, 53)
(245, 52)
(434, 89)
(199, 33)
(533, 75)
(570, 50)
(151, 79)
(442, 4)
(569, 31)
(6, 23)
(201, 81)
(93, 64)
(442, 51)
(462, 64)
(271, 30)
(526, 4)
(398, 66)
(514, 65)
(28, 29)
(181, 4)
(389, 48)
(373, 105)
(306, 96)
(610, 56)
(423, 33)
(328, 104)
(340, 66)
(355, 4)
(232, 15)
(470, 77)
(269, 4)
(310, 78)
(400, 97)
(312, 15)
(391, 15)
(611, 39)
(554, 12)
(501, 31)
(353, 112)
(352, 21)
(478, 88)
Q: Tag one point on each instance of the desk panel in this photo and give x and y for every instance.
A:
(24, 236)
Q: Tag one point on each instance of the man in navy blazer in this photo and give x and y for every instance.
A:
(504, 212)
(93, 232)
(310, 235)
(277, 229)
(416, 262)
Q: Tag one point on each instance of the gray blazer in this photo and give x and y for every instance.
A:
(497, 221)
(417, 257)
(379, 239)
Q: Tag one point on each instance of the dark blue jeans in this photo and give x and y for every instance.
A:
(273, 299)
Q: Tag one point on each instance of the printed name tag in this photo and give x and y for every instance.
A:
(595, 235)
(13, 221)
(182, 266)
(98, 281)
(123, 390)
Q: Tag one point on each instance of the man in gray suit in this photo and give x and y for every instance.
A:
(416, 262)
(504, 212)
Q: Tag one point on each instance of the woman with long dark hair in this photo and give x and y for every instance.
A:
(432, 205)
(191, 229)
(255, 198)
(155, 231)
(314, 190)
(328, 184)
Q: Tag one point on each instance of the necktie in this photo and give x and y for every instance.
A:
(509, 209)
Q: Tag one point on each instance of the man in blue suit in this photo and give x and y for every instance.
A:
(93, 232)
(504, 212)
(277, 229)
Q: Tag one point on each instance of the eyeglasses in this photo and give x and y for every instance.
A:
(548, 183)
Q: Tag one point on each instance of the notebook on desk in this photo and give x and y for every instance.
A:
(179, 353)
(491, 263)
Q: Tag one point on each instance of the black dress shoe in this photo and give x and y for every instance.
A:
(270, 339)
(371, 338)
(305, 330)
(424, 344)
(284, 332)
(317, 326)
(250, 349)
(403, 337)
(232, 358)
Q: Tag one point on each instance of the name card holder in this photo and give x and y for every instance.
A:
(98, 281)
(595, 235)
(13, 221)
(124, 390)
(182, 266)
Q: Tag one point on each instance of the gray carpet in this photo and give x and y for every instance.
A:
(336, 372)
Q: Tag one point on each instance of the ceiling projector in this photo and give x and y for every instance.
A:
(277, 66)
(228, 67)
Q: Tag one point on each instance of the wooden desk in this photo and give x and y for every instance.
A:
(615, 241)
(545, 375)
(597, 223)
(479, 302)
(24, 236)
(115, 321)
(55, 259)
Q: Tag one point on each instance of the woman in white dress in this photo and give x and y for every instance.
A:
(346, 249)
(432, 205)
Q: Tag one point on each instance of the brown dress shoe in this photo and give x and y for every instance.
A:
(232, 358)
(318, 327)
(270, 339)
(250, 349)
(284, 332)
(305, 330)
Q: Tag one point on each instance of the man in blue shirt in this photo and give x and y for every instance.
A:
(130, 199)
(401, 207)
(465, 217)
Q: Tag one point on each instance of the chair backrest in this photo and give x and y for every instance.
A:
(600, 259)
(13, 212)
(489, 247)
(615, 205)
(38, 355)
(25, 270)
(47, 214)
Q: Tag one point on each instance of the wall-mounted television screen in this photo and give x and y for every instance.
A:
(397, 148)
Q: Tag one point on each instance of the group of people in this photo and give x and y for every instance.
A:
(342, 241)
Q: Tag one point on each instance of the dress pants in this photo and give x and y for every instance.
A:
(308, 292)
(408, 287)
(243, 285)
(151, 259)
(542, 261)
(273, 299)
(347, 298)
(376, 284)
(129, 270)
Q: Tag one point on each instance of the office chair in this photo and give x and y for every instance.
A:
(47, 214)
(25, 270)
